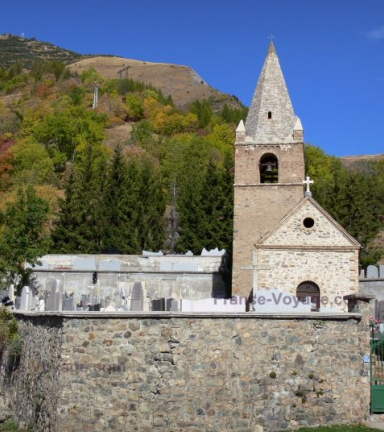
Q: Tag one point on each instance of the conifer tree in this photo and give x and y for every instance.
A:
(79, 226)
(120, 204)
(191, 181)
(152, 207)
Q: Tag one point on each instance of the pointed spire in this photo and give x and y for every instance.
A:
(271, 117)
(271, 48)
(241, 127)
(298, 126)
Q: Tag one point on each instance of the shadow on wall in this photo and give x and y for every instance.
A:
(222, 282)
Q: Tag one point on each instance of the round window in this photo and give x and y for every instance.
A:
(308, 222)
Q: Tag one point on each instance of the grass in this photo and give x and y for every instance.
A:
(345, 428)
(12, 426)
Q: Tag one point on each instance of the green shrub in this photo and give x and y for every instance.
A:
(9, 337)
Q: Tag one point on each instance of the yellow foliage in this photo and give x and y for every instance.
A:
(151, 107)
(168, 122)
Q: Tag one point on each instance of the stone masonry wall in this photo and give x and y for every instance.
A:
(195, 373)
(335, 272)
(258, 207)
(31, 390)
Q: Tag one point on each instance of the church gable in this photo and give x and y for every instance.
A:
(308, 224)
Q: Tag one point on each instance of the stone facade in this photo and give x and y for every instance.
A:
(259, 206)
(201, 373)
(323, 254)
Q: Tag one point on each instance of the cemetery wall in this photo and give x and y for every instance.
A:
(200, 372)
(110, 277)
(31, 387)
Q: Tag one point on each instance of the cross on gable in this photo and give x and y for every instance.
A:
(308, 182)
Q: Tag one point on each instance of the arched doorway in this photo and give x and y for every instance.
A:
(309, 289)
(269, 168)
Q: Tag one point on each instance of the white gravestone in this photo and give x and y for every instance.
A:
(24, 305)
(372, 272)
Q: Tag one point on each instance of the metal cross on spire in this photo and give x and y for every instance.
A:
(308, 182)
(271, 37)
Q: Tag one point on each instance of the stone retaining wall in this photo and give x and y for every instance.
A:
(198, 373)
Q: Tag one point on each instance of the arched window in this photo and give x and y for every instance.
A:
(269, 169)
(309, 289)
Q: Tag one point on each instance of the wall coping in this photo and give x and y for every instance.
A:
(202, 315)
(136, 272)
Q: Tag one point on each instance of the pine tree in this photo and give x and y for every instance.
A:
(152, 207)
(191, 181)
(79, 226)
(120, 205)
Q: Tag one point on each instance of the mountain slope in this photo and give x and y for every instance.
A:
(181, 82)
(352, 161)
(15, 48)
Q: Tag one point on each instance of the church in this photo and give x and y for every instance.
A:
(283, 239)
(289, 254)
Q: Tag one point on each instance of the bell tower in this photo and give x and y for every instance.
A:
(269, 168)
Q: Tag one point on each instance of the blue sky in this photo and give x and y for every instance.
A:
(331, 51)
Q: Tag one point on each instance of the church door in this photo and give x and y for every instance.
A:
(309, 289)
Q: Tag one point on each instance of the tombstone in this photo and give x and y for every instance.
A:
(137, 298)
(32, 299)
(36, 304)
(50, 302)
(362, 274)
(18, 302)
(42, 305)
(110, 308)
(172, 305)
(158, 304)
(213, 252)
(11, 293)
(58, 297)
(68, 304)
(372, 272)
(150, 253)
(25, 299)
(381, 272)
(189, 253)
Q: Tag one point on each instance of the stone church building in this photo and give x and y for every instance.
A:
(283, 239)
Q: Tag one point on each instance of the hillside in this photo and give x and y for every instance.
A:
(16, 48)
(352, 161)
(180, 82)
